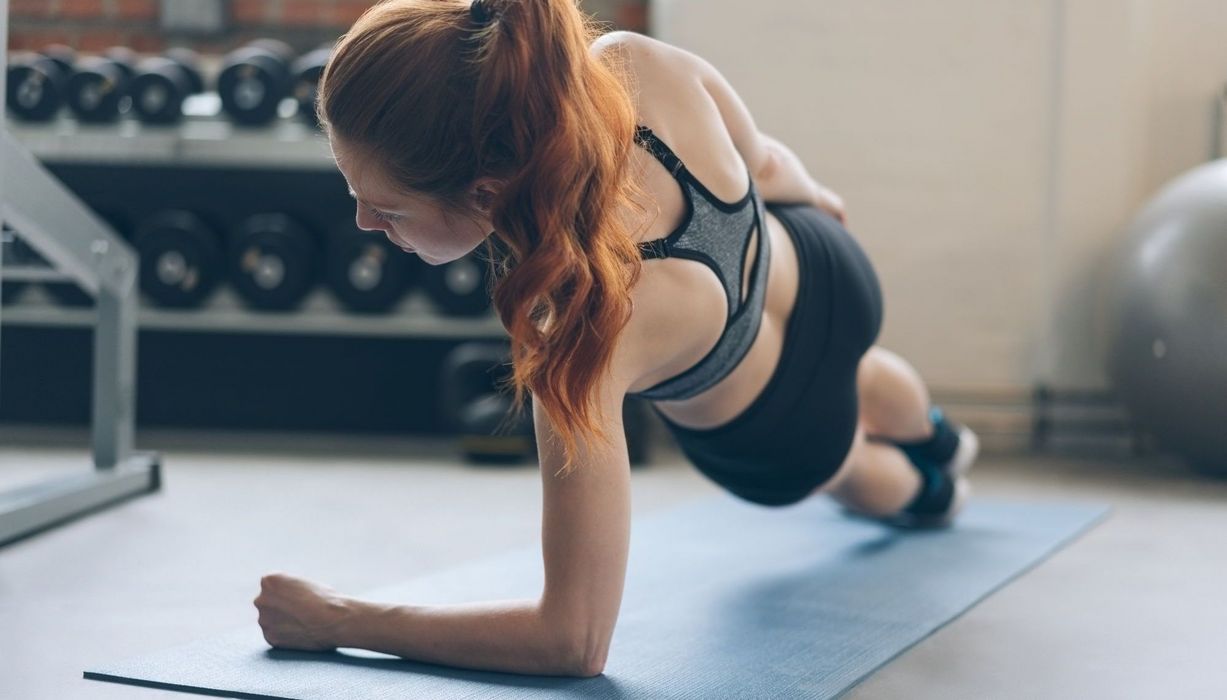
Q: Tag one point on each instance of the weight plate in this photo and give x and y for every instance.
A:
(181, 260)
(124, 58)
(272, 262)
(469, 370)
(64, 56)
(34, 88)
(158, 91)
(252, 83)
(307, 71)
(459, 288)
(189, 61)
(365, 272)
(94, 92)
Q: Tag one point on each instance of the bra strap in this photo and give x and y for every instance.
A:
(647, 138)
(652, 250)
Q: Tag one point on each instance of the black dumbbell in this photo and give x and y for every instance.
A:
(65, 56)
(35, 87)
(459, 288)
(181, 258)
(272, 261)
(284, 53)
(276, 46)
(253, 81)
(476, 405)
(125, 58)
(365, 271)
(97, 89)
(307, 71)
(189, 60)
(161, 85)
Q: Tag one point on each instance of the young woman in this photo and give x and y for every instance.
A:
(619, 184)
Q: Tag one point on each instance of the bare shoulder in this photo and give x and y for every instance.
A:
(691, 105)
(636, 44)
(654, 64)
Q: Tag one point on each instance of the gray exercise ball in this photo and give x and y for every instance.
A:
(1165, 317)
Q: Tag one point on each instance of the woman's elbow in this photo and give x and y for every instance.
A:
(584, 656)
(588, 666)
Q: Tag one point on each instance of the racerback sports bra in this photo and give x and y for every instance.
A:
(717, 234)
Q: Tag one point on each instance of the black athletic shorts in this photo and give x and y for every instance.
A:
(798, 431)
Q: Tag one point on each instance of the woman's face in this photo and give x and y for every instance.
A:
(415, 223)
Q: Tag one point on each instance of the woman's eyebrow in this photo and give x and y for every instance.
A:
(373, 204)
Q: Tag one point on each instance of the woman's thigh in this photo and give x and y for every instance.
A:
(858, 443)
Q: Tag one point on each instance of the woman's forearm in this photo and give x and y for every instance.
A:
(509, 636)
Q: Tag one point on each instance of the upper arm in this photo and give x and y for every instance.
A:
(675, 68)
(585, 527)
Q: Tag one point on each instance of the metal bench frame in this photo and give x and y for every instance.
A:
(63, 230)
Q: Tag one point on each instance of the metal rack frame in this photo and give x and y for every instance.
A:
(67, 234)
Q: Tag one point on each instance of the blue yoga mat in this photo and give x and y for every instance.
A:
(723, 599)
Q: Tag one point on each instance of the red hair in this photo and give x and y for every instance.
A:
(440, 96)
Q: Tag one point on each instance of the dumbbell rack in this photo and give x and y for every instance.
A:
(62, 229)
(207, 143)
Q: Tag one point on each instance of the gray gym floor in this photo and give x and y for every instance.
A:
(1135, 609)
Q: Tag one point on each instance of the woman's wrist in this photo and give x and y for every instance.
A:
(815, 193)
(350, 617)
(828, 201)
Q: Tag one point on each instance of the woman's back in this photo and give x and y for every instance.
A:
(680, 304)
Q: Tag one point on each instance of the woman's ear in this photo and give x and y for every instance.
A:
(484, 199)
(483, 193)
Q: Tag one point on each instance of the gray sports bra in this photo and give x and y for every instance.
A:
(717, 234)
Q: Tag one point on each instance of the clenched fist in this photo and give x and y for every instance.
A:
(298, 614)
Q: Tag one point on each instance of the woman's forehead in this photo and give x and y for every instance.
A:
(349, 159)
(365, 177)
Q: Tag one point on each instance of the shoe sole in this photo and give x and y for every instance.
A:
(965, 455)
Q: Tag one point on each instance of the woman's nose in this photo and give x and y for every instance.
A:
(361, 222)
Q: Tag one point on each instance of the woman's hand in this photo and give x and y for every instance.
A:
(298, 614)
(830, 202)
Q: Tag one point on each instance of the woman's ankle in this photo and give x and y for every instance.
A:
(935, 494)
(940, 446)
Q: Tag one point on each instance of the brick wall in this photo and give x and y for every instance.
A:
(93, 25)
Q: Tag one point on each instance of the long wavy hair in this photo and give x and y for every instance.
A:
(442, 92)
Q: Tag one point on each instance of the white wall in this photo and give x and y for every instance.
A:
(989, 151)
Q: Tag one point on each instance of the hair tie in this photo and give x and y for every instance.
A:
(481, 11)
